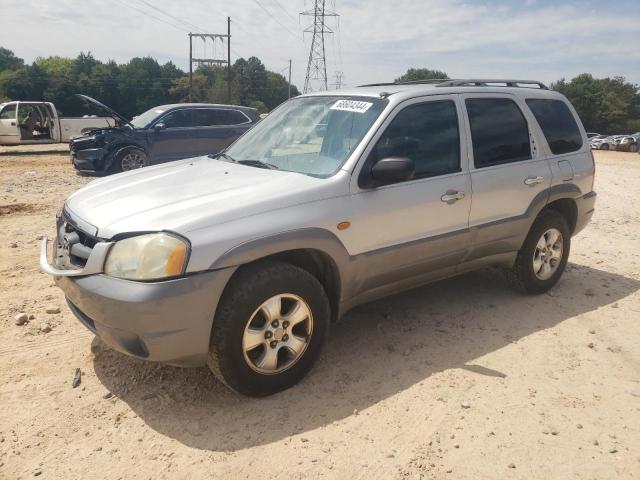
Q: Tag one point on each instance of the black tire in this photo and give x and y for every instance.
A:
(604, 146)
(248, 289)
(522, 274)
(121, 157)
(633, 147)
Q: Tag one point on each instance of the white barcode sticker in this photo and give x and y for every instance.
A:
(351, 106)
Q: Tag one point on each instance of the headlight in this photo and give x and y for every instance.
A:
(152, 256)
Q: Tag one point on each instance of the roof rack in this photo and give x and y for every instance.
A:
(485, 82)
(468, 82)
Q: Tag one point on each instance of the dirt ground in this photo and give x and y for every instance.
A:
(462, 379)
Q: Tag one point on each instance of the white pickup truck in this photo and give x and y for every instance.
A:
(23, 123)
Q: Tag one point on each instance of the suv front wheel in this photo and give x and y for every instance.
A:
(544, 254)
(271, 324)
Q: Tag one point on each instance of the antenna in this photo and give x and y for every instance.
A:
(317, 66)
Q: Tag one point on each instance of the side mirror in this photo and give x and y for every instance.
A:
(159, 126)
(392, 170)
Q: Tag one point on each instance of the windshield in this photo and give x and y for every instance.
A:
(145, 119)
(310, 135)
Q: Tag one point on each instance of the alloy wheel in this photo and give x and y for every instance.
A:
(277, 334)
(132, 160)
(548, 254)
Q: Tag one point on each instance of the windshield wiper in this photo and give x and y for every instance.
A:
(223, 155)
(259, 164)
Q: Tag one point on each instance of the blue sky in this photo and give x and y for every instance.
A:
(374, 40)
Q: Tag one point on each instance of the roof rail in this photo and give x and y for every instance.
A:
(468, 82)
(484, 82)
(411, 82)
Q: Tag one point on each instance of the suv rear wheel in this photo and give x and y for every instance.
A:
(269, 329)
(544, 254)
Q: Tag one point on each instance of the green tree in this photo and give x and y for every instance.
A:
(137, 85)
(607, 105)
(414, 74)
(8, 61)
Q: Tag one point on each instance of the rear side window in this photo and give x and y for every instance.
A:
(8, 112)
(499, 131)
(558, 125)
(231, 117)
(427, 133)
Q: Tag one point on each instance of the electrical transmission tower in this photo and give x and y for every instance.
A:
(339, 80)
(317, 66)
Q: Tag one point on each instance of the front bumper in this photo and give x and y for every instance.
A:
(90, 160)
(168, 321)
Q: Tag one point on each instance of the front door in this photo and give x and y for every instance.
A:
(417, 229)
(508, 172)
(174, 140)
(9, 130)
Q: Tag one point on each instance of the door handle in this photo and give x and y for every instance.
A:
(533, 180)
(452, 197)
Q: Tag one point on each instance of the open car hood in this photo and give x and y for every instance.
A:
(102, 106)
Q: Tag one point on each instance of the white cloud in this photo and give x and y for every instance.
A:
(379, 39)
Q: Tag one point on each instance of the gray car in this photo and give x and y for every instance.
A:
(242, 261)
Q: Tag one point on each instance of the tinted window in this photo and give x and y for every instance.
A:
(558, 125)
(204, 117)
(428, 134)
(499, 131)
(177, 119)
(230, 117)
(8, 113)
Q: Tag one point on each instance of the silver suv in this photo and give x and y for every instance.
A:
(243, 260)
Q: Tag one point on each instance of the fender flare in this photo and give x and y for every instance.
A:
(318, 239)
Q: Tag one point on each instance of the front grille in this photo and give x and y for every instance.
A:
(73, 245)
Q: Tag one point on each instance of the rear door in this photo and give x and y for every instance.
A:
(508, 172)
(9, 130)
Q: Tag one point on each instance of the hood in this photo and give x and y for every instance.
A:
(102, 106)
(189, 194)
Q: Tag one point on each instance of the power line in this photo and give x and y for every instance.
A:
(158, 9)
(285, 10)
(276, 20)
(147, 14)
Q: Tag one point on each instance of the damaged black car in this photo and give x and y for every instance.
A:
(161, 134)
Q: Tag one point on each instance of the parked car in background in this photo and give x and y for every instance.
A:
(26, 123)
(591, 135)
(382, 188)
(629, 143)
(607, 143)
(161, 134)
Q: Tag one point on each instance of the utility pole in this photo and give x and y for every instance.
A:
(229, 60)
(190, 65)
(210, 60)
(289, 93)
(317, 66)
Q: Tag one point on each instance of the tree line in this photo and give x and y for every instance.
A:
(605, 105)
(133, 87)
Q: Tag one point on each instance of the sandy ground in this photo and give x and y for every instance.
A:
(462, 379)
